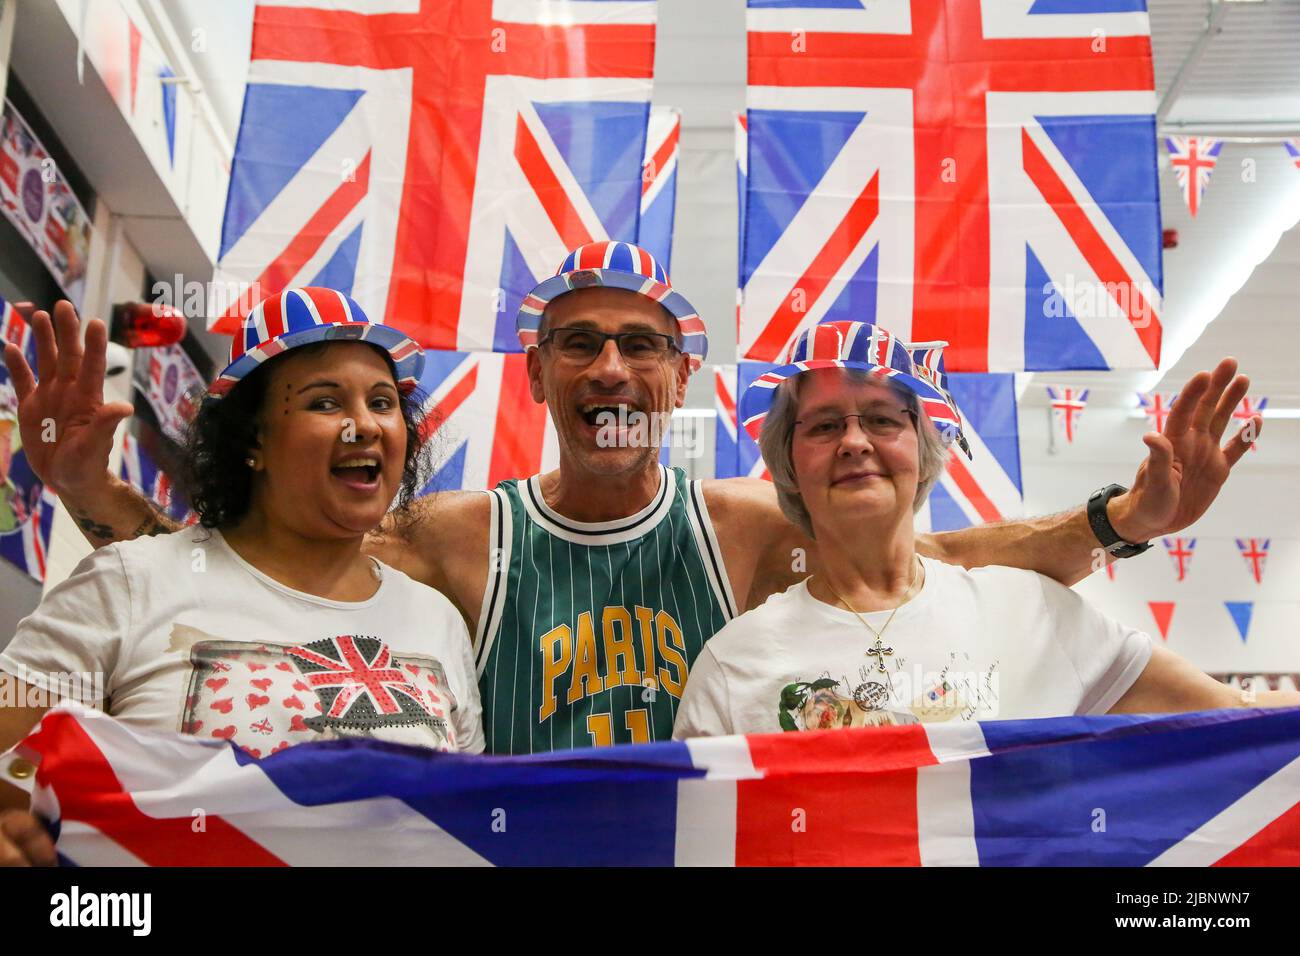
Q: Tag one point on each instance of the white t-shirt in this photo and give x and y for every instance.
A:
(179, 633)
(990, 644)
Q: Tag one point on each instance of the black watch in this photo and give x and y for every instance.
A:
(1102, 528)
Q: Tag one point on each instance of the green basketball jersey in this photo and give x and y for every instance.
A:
(587, 631)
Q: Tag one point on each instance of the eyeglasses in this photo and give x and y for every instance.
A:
(639, 349)
(883, 423)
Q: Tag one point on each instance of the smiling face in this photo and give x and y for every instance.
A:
(860, 475)
(582, 397)
(332, 441)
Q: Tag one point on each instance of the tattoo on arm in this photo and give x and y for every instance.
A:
(155, 522)
(151, 525)
(92, 527)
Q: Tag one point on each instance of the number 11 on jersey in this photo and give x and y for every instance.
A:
(601, 727)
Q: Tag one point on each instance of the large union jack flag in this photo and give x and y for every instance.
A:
(987, 485)
(436, 158)
(659, 185)
(735, 453)
(1213, 788)
(485, 427)
(981, 172)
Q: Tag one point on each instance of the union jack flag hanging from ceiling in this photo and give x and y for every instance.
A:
(980, 172)
(435, 158)
(986, 486)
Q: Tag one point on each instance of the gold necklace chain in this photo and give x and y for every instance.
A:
(880, 651)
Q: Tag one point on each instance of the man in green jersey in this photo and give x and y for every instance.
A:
(591, 589)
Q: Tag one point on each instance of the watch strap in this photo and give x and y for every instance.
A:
(1105, 532)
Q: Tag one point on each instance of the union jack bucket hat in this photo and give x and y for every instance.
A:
(861, 345)
(615, 265)
(312, 314)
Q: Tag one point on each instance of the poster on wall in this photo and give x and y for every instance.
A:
(168, 379)
(26, 506)
(34, 197)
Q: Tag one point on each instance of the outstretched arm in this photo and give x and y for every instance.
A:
(1169, 684)
(67, 428)
(1183, 473)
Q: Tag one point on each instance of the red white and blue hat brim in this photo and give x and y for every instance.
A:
(757, 398)
(306, 318)
(617, 265)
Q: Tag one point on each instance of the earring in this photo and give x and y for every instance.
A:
(250, 462)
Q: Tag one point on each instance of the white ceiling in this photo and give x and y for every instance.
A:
(1231, 283)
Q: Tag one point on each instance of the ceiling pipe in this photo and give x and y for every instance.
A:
(1213, 26)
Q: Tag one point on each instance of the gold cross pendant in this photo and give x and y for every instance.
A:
(880, 652)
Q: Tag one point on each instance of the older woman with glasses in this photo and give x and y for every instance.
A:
(855, 437)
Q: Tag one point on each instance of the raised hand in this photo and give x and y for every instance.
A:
(1186, 465)
(66, 426)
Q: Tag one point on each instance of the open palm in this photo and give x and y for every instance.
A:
(66, 426)
(1187, 466)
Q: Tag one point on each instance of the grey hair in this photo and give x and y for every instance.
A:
(777, 437)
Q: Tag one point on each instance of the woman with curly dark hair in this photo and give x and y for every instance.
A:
(266, 625)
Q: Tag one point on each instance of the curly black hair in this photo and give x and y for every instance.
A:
(218, 481)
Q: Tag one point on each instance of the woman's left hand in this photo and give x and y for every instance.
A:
(24, 840)
(1186, 466)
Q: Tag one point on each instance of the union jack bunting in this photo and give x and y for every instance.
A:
(1255, 552)
(1200, 789)
(434, 159)
(973, 171)
(1156, 406)
(1193, 159)
(735, 453)
(1293, 150)
(1067, 407)
(1180, 552)
(1248, 410)
(659, 185)
(141, 472)
(485, 425)
(987, 486)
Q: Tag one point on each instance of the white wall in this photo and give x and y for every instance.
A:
(1259, 500)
